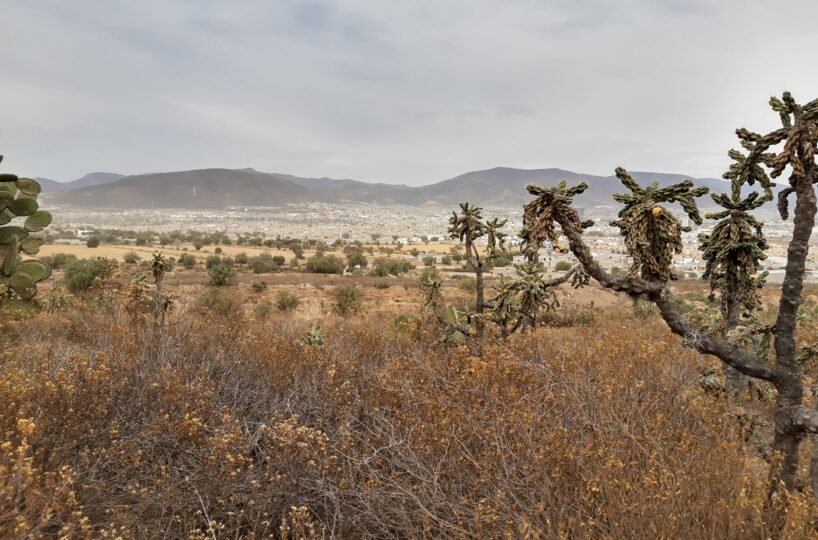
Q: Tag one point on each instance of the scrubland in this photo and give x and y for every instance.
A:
(223, 425)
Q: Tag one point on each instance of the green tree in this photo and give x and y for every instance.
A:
(325, 264)
(187, 260)
(287, 301)
(263, 264)
(84, 274)
(356, 258)
(562, 266)
(348, 299)
(221, 274)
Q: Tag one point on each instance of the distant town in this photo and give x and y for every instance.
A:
(406, 226)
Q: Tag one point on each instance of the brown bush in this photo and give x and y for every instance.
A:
(221, 427)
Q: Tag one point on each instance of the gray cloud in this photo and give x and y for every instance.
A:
(412, 91)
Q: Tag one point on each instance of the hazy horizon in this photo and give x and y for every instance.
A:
(409, 93)
(431, 181)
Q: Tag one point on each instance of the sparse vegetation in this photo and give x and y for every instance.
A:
(187, 260)
(348, 299)
(131, 258)
(263, 310)
(221, 274)
(259, 285)
(390, 267)
(325, 264)
(263, 263)
(286, 301)
(84, 274)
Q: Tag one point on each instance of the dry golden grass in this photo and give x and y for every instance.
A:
(222, 426)
(118, 251)
(175, 250)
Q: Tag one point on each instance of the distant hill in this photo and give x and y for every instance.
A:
(91, 179)
(50, 186)
(206, 188)
(218, 188)
(94, 179)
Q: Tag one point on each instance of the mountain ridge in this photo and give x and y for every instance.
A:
(216, 188)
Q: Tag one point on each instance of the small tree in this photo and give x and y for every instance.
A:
(84, 274)
(221, 274)
(325, 264)
(263, 263)
(356, 258)
(131, 258)
(92, 242)
(563, 266)
(348, 299)
(187, 260)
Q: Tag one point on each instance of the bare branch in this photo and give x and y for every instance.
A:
(805, 419)
(656, 291)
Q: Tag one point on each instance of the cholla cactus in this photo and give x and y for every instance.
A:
(158, 268)
(734, 250)
(652, 233)
(519, 302)
(495, 237)
(431, 291)
(541, 213)
(18, 277)
(651, 243)
(468, 226)
(799, 130)
(456, 324)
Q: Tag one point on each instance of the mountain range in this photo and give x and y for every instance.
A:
(221, 188)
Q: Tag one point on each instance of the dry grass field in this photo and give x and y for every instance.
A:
(175, 250)
(304, 424)
(119, 251)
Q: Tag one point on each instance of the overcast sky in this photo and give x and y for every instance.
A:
(398, 91)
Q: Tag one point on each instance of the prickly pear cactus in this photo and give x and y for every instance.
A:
(20, 219)
(652, 233)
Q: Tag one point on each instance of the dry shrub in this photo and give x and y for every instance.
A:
(218, 427)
